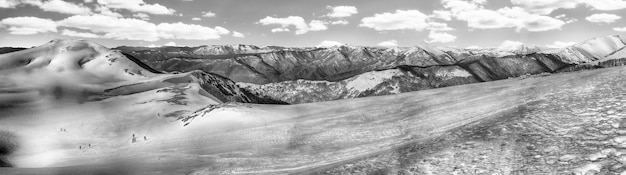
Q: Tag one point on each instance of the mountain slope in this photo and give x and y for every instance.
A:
(411, 132)
(302, 75)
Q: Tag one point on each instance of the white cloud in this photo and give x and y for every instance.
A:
(340, 22)
(190, 31)
(68, 32)
(29, 25)
(107, 11)
(171, 44)
(196, 19)
(510, 45)
(9, 3)
(606, 5)
(238, 35)
(142, 16)
(620, 29)
(441, 14)
(64, 7)
(603, 18)
(275, 30)
(473, 47)
(298, 22)
(560, 44)
(153, 45)
(545, 6)
(478, 17)
(208, 14)
(399, 20)
(390, 43)
(440, 37)
(135, 29)
(437, 26)
(88, 1)
(138, 6)
(342, 11)
(329, 44)
(111, 27)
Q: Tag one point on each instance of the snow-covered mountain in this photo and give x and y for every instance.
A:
(300, 75)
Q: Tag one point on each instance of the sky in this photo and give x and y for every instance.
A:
(308, 23)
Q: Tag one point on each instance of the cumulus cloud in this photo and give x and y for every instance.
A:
(208, 14)
(238, 35)
(510, 45)
(545, 6)
(606, 5)
(196, 19)
(64, 7)
(442, 14)
(340, 22)
(137, 6)
(560, 44)
(135, 29)
(296, 21)
(29, 25)
(111, 27)
(620, 29)
(9, 3)
(142, 16)
(603, 18)
(440, 37)
(190, 31)
(107, 11)
(478, 17)
(329, 44)
(390, 43)
(276, 30)
(398, 20)
(73, 33)
(342, 11)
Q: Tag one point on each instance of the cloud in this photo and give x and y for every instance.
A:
(478, 17)
(296, 21)
(107, 11)
(111, 27)
(545, 7)
(64, 7)
(399, 20)
(276, 30)
(208, 14)
(440, 37)
(29, 25)
(442, 14)
(196, 19)
(437, 26)
(135, 29)
(473, 47)
(68, 32)
(339, 22)
(390, 43)
(238, 35)
(603, 18)
(560, 44)
(138, 6)
(329, 44)
(142, 16)
(9, 3)
(510, 45)
(606, 5)
(620, 29)
(171, 44)
(189, 31)
(342, 11)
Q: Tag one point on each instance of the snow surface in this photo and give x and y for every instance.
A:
(368, 80)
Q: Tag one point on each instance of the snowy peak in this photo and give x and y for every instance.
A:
(78, 58)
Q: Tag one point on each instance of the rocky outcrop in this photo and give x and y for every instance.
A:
(299, 75)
